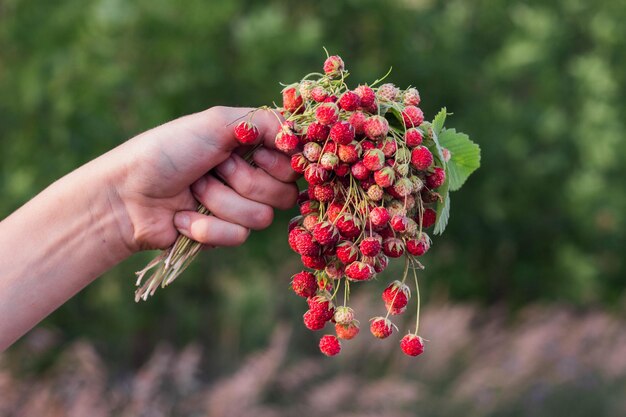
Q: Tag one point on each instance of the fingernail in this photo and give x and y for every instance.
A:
(227, 167)
(265, 157)
(181, 221)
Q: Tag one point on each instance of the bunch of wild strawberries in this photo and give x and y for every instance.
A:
(372, 177)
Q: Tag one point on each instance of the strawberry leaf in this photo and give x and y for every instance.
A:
(439, 120)
(465, 157)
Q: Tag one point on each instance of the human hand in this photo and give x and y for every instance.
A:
(166, 173)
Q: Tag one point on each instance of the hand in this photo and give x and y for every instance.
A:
(171, 168)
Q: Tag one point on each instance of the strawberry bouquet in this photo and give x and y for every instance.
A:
(379, 180)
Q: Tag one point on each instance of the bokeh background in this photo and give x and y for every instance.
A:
(524, 294)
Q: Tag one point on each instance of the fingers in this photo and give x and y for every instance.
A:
(224, 203)
(210, 230)
(256, 184)
(275, 163)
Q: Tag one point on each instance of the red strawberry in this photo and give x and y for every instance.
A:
(347, 252)
(304, 284)
(360, 171)
(329, 345)
(348, 225)
(347, 331)
(429, 217)
(246, 132)
(342, 169)
(436, 179)
(294, 222)
(313, 321)
(349, 101)
(319, 94)
(393, 247)
(359, 271)
(366, 145)
(375, 192)
(389, 147)
(293, 235)
(324, 193)
(343, 315)
(381, 327)
(333, 211)
(421, 158)
(357, 120)
(418, 247)
(379, 216)
(325, 233)
(315, 174)
(329, 147)
(292, 100)
(322, 306)
(413, 137)
(412, 116)
(331, 99)
(309, 206)
(381, 263)
(314, 262)
(399, 223)
(385, 177)
(327, 114)
(310, 221)
(367, 96)
(334, 270)
(317, 132)
(333, 66)
(376, 127)
(306, 245)
(298, 163)
(374, 159)
(411, 97)
(388, 92)
(396, 295)
(342, 133)
(412, 345)
(370, 246)
(349, 153)
(286, 141)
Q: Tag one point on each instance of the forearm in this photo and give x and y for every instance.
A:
(56, 244)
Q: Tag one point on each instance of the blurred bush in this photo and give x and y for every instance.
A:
(538, 84)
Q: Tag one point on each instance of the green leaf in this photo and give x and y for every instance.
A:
(443, 208)
(465, 157)
(439, 120)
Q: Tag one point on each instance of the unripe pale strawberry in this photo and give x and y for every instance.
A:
(411, 97)
(304, 284)
(367, 96)
(418, 184)
(329, 161)
(402, 170)
(411, 228)
(316, 174)
(360, 171)
(299, 163)
(359, 271)
(312, 151)
(333, 66)
(403, 187)
(246, 132)
(429, 217)
(357, 120)
(396, 207)
(292, 100)
(375, 192)
(286, 141)
(385, 177)
(347, 331)
(317, 132)
(305, 89)
(327, 114)
(421, 158)
(370, 246)
(413, 137)
(388, 92)
(342, 133)
(349, 101)
(348, 225)
(318, 94)
(419, 246)
(376, 127)
(313, 321)
(329, 345)
(393, 247)
(436, 179)
(326, 233)
(347, 252)
(379, 216)
(334, 270)
(374, 159)
(403, 156)
(349, 153)
(412, 116)
(412, 345)
(388, 146)
(446, 154)
(381, 327)
(396, 295)
(344, 315)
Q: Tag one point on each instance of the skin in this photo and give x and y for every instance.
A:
(138, 196)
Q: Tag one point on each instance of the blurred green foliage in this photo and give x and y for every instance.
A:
(538, 84)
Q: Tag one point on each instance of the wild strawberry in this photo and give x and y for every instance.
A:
(324, 193)
(333, 210)
(327, 114)
(347, 331)
(331, 99)
(329, 345)
(349, 101)
(342, 133)
(370, 246)
(292, 100)
(436, 179)
(310, 221)
(313, 321)
(315, 174)
(359, 271)
(309, 206)
(418, 247)
(429, 217)
(367, 182)
(402, 170)
(314, 262)
(388, 92)
(360, 171)
(399, 223)
(322, 306)
(381, 327)
(367, 95)
(286, 141)
(317, 132)
(374, 159)
(349, 153)
(413, 137)
(376, 127)
(329, 147)
(381, 263)
(418, 184)
(375, 192)
(318, 94)
(412, 116)
(304, 284)
(325, 233)
(396, 207)
(403, 156)
(305, 89)
(421, 158)
(348, 225)
(342, 169)
(329, 161)
(334, 270)
(294, 222)
(412, 345)
(393, 247)
(403, 187)
(293, 235)
(379, 216)
(385, 177)
(411, 227)
(298, 163)
(312, 151)
(430, 196)
(389, 147)
(411, 97)
(357, 120)
(347, 252)
(306, 245)
(246, 132)
(343, 315)
(396, 295)
(333, 66)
